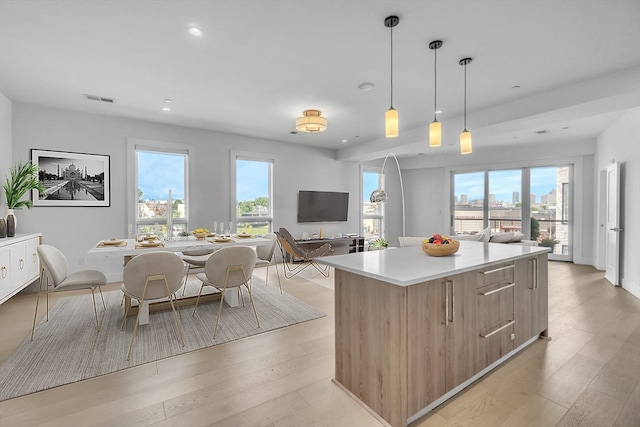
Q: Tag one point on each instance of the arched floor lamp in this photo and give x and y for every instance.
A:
(381, 196)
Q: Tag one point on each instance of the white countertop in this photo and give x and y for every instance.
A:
(410, 265)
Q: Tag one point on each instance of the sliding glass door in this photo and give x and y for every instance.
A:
(535, 201)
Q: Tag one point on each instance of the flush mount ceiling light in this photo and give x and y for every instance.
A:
(391, 116)
(465, 135)
(435, 128)
(311, 122)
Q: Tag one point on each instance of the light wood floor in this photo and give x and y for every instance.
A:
(588, 375)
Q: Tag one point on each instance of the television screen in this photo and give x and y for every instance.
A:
(322, 206)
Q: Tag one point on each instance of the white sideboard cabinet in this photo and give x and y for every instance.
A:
(19, 263)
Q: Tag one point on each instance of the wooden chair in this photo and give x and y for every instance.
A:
(299, 258)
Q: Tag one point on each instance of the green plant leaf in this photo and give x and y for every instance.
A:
(23, 177)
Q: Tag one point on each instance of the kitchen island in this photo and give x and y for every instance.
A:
(414, 330)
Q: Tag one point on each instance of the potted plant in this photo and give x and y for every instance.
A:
(378, 244)
(23, 177)
(549, 242)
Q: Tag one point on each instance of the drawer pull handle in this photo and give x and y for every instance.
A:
(21, 263)
(510, 285)
(4, 271)
(34, 257)
(511, 322)
(495, 270)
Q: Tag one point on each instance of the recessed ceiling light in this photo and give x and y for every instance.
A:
(344, 141)
(168, 101)
(515, 87)
(366, 86)
(195, 31)
(166, 109)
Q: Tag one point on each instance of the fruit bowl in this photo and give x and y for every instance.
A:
(200, 236)
(440, 249)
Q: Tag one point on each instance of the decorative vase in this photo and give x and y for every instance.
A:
(3, 228)
(11, 223)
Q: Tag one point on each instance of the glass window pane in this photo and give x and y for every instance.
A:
(370, 183)
(468, 190)
(157, 174)
(253, 196)
(505, 206)
(550, 203)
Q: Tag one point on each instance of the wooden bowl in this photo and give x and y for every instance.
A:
(433, 249)
(200, 236)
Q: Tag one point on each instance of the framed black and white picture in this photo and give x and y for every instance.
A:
(72, 179)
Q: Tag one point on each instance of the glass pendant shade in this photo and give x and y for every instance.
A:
(311, 122)
(435, 134)
(391, 123)
(465, 142)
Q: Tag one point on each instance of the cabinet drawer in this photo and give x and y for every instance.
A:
(501, 273)
(495, 341)
(494, 304)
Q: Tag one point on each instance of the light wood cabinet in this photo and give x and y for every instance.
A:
(19, 264)
(441, 345)
(531, 298)
(402, 350)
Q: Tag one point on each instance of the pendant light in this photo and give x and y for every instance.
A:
(435, 128)
(391, 116)
(465, 135)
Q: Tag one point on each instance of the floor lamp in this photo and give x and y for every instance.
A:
(380, 196)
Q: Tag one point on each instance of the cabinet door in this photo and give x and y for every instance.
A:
(5, 272)
(426, 351)
(531, 298)
(19, 264)
(33, 263)
(461, 342)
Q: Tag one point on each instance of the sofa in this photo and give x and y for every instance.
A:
(514, 238)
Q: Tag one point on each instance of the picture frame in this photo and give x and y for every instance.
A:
(72, 179)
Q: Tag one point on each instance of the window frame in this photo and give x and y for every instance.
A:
(235, 155)
(379, 216)
(133, 146)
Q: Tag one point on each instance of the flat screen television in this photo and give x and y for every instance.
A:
(322, 206)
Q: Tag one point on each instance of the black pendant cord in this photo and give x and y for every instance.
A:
(465, 97)
(391, 67)
(435, 84)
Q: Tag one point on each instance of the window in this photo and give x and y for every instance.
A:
(253, 200)
(372, 213)
(160, 173)
(468, 200)
(535, 201)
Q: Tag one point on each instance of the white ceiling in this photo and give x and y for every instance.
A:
(261, 63)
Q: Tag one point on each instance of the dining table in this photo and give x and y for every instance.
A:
(129, 248)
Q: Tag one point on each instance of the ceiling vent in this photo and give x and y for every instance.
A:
(98, 98)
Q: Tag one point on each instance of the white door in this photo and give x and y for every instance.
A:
(612, 224)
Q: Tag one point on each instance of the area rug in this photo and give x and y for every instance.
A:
(68, 348)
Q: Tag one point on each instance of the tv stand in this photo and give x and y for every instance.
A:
(340, 245)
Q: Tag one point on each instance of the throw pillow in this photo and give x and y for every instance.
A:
(501, 237)
(485, 235)
(517, 236)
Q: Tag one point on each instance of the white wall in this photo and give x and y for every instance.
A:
(5, 147)
(74, 230)
(621, 143)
